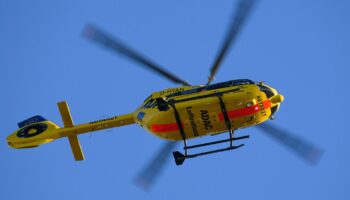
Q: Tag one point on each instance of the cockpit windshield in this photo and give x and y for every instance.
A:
(269, 93)
(274, 109)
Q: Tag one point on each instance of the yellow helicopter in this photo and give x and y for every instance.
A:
(180, 113)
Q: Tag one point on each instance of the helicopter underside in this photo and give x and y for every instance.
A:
(203, 113)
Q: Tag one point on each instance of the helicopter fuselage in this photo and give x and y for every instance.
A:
(173, 114)
(200, 109)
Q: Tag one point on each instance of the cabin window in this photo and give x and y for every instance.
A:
(154, 104)
(140, 116)
(230, 83)
(214, 86)
(242, 82)
(219, 85)
(149, 103)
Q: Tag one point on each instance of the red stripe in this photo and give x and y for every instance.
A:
(160, 128)
(267, 104)
(244, 111)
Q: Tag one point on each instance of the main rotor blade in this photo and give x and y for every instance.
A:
(150, 173)
(240, 16)
(97, 35)
(305, 150)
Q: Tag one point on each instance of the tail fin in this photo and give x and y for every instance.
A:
(37, 130)
(33, 132)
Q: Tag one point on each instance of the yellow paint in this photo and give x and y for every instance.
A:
(191, 111)
(32, 131)
(200, 113)
(54, 131)
(68, 123)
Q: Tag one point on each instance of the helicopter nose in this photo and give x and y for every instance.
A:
(10, 144)
(277, 99)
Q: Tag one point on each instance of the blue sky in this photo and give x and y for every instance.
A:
(299, 47)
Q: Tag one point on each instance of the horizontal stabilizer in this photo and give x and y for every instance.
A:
(76, 148)
(68, 123)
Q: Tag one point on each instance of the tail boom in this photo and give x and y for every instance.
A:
(41, 132)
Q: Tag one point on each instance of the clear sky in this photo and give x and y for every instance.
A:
(299, 47)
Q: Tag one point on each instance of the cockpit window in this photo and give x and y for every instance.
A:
(274, 109)
(269, 93)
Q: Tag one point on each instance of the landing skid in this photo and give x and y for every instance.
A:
(163, 105)
(180, 158)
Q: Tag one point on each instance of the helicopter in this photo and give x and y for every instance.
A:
(178, 114)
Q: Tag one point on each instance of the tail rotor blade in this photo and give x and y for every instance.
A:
(150, 173)
(240, 16)
(93, 33)
(305, 150)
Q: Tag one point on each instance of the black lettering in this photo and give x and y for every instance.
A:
(192, 121)
(170, 91)
(205, 120)
(103, 120)
(261, 106)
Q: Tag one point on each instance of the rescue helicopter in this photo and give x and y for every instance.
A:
(179, 113)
